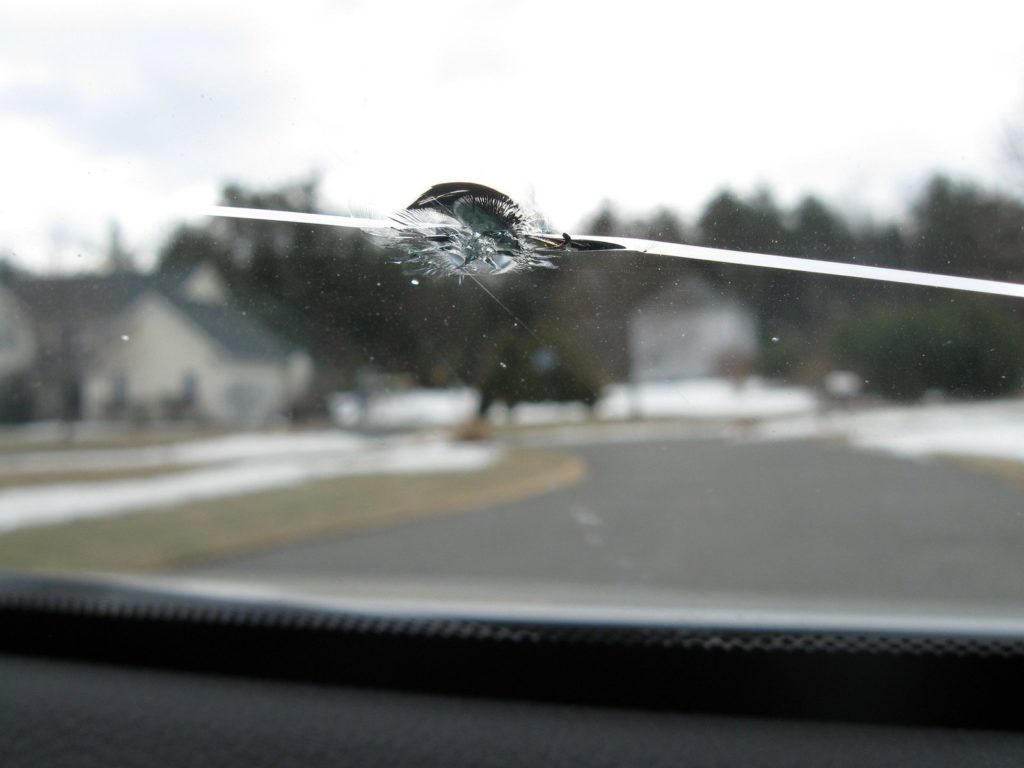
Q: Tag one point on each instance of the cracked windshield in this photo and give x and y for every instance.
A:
(521, 304)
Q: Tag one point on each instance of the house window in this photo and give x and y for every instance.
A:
(119, 390)
(189, 387)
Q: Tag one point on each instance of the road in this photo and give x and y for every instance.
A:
(785, 518)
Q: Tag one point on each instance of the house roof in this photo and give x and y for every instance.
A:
(93, 299)
(234, 330)
(80, 298)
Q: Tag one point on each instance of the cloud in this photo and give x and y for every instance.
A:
(117, 109)
(174, 95)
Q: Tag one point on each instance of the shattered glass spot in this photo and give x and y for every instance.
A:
(461, 228)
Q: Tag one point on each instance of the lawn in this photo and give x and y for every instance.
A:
(208, 530)
(11, 442)
(22, 479)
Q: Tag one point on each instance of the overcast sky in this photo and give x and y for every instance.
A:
(138, 112)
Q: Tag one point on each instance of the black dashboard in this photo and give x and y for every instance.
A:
(98, 674)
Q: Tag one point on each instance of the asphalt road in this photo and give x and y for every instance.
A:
(787, 518)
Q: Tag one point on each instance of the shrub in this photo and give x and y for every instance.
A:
(525, 369)
(965, 346)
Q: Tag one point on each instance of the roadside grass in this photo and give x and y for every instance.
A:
(22, 479)
(142, 438)
(214, 529)
(1008, 470)
(506, 430)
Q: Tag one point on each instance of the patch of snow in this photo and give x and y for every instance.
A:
(706, 399)
(993, 429)
(47, 504)
(405, 408)
(692, 399)
(423, 407)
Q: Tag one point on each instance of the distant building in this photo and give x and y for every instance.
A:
(144, 347)
(691, 329)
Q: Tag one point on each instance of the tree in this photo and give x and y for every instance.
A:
(819, 232)
(882, 245)
(966, 346)
(549, 367)
(756, 225)
(957, 227)
(348, 302)
(1013, 151)
(189, 246)
(604, 222)
(664, 225)
(119, 258)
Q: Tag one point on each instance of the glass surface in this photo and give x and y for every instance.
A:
(302, 408)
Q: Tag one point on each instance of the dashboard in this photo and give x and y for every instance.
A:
(109, 674)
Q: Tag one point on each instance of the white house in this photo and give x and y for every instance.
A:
(130, 345)
(688, 330)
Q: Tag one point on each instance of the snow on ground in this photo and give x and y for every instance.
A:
(246, 463)
(406, 408)
(267, 464)
(991, 429)
(711, 399)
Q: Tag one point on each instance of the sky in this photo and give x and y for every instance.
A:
(137, 113)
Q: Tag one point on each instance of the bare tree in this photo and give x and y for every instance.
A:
(1013, 150)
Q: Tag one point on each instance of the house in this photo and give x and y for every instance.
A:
(690, 329)
(138, 346)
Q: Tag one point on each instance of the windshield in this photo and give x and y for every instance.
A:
(501, 366)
